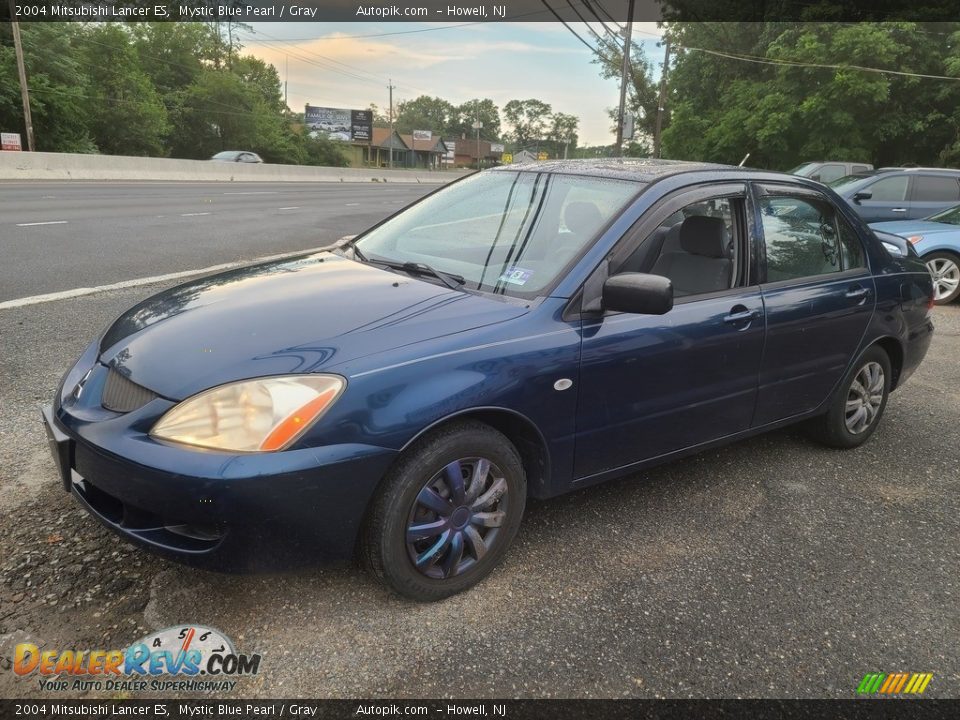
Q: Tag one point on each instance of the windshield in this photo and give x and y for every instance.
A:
(803, 169)
(225, 155)
(950, 216)
(846, 180)
(504, 232)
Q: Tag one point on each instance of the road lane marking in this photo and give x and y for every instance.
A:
(192, 214)
(254, 192)
(49, 222)
(292, 207)
(351, 204)
(124, 284)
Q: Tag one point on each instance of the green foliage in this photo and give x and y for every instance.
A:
(158, 89)
(529, 120)
(723, 108)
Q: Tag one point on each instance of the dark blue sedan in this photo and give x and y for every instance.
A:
(523, 332)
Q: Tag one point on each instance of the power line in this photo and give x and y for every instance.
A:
(827, 66)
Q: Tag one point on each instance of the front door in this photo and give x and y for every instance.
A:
(651, 385)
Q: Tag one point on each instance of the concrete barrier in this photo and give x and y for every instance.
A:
(69, 166)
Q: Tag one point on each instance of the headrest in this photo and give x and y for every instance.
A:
(582, 218)
(702, 235)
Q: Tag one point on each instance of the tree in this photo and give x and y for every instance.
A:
(642, 92)
(424, 113)
(484, 111)
(563, 133)
(528, 120)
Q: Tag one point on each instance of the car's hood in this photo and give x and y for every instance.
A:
(914, 227)
(300, 315)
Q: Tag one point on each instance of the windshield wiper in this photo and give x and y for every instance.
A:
(452, 281)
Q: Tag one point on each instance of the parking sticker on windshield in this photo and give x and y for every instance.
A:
(516, 276)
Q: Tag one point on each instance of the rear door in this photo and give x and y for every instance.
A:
(818, 296)
(932, 193)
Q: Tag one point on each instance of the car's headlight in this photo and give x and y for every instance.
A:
(261, 415)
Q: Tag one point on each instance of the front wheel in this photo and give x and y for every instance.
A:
(944, 268)
(447, 512)
(858, 404)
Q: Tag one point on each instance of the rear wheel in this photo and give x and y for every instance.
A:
(858, 404)
(944, 268)
(447, 512)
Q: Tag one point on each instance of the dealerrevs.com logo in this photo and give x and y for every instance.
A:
(181, 658)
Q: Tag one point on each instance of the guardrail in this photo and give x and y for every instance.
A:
(69, 166)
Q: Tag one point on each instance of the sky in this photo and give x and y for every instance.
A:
(349, 65)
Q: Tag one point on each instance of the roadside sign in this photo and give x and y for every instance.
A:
(542, 156)
(506, 157)
(422, 135)
(10, 141)
(496, 148)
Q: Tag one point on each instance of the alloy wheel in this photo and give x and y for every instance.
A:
(946, 277)
(456, 518)
(864, 398)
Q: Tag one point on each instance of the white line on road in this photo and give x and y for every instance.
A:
(49, 222)
(254, 192)
(192, 214)
(351, 204)
(123, 285)
(292, 207)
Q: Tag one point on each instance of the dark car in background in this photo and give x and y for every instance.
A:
(521, 332)
(901, 193)
(241, 156)
(827, 171)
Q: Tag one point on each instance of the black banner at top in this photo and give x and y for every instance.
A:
(469, 11)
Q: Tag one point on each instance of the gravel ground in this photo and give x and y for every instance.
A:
(769, 568)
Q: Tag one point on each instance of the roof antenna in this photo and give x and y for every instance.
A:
(744, 160)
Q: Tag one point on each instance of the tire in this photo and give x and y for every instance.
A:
(944, 267)
(850, 425)
(410, 538)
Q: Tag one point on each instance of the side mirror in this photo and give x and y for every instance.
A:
(862, 195)
(638, 293)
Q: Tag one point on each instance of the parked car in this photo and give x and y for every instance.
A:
(525, 331)
(826, 171)
(937, 240)
(901, 193)
(244, 156)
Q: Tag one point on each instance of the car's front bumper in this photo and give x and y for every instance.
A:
(217, 509)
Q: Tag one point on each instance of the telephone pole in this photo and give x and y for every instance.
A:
(391, 86)
(624, 72)
(661, 100)
(21, 68)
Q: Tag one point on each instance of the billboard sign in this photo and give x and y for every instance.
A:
(422, 135)
(10, 141)
(339, 123)
(496, 148)
(451, 150)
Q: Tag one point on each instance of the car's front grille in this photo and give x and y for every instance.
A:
(123, 395)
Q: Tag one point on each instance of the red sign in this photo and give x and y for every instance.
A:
(10, 141)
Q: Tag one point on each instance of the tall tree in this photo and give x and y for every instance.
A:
(424, 113)
(484, 111)
(528, 120)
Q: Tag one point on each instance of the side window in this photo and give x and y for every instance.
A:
(933, 188)
(851, 249)
(859, 168)
(891, 189)
(800, 235)
(697, 247)
(829, 173)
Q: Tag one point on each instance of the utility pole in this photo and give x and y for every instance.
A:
(624, 73)
(21, 68)
(286, 80)
(391, 86)
(661, 100)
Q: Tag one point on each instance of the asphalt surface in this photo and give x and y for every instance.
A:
(770, 568)
(59, 236)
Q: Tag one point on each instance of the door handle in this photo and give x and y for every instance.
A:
(898, 210)
(740, 314)
(857, 293)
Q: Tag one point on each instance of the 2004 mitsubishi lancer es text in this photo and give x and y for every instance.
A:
(521, 332)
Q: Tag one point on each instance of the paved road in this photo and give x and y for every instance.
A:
(773, 567)
(59, 236)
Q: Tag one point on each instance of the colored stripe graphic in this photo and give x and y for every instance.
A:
(894, 683)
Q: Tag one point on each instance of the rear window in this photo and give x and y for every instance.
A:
(933, 188)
